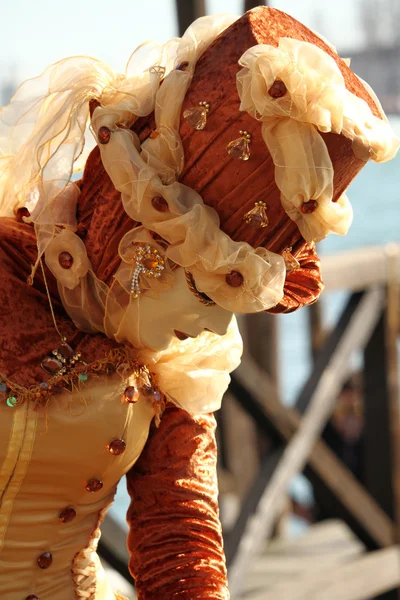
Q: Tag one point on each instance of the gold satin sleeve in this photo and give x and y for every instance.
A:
(175, 538)
(302, 286)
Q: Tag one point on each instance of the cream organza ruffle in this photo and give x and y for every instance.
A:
(316, 100)
(192, 230)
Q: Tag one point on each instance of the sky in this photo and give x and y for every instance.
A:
(36, 33)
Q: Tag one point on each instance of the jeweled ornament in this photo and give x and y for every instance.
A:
(159, 203)
(278, 89)
(307, 208)
(12, 401)
(131, 394)
(240, 148)
(67, 515)
(182, 66)
(257, 216)
(116, 447)
(149, 263)
(196, 117)
(104, 135)
(157, 395)
(44, 560)
(94, 485)
(66, 260)
(234, 279)
(291, 263)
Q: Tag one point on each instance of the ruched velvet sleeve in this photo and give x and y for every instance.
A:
(302, 286)
(175, 538)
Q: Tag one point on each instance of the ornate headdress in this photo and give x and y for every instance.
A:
(231, 149)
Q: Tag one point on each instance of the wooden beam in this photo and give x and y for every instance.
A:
(305, 442)
(357, 579)
(356, 270)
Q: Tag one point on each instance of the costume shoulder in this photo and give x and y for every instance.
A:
(26, 328)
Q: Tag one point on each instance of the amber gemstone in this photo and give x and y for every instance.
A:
(32, 597)
(94, 485)
(44, 561)
(67, 515)
(104, 135)
(150, 263)
(182, 66)
(154, 134)
(234, 279)
(51, 365)
(21, 213)
(131, 394)
(277, 89)
(116, 447)
(160, 204)
(309, 207)
(65, 259)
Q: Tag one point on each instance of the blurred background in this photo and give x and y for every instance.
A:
(286, 348)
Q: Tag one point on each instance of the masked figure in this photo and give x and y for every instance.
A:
(220, 159)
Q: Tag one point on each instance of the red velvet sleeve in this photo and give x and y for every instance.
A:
(302, 286)
(175, 538)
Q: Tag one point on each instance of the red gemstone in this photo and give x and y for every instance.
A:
(22, 212)
(116, 447)
(32, 597)
(104, 135)
(131, 394)
(309, 207)
(65, 350)
(234, 279)
(160, 204)
(182, 66)
(65, 259)
(80, 366)
(44, 561)
(67, 515)
(51, 365)
(277, 89)
(94, 485)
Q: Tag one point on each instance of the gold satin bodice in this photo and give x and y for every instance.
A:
(48, 457)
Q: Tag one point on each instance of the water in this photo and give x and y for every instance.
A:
(375, 196)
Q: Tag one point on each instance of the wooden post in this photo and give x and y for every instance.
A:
(189, 11)
(381, 431)
(249, 4)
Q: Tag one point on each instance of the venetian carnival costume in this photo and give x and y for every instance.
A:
(221, 158)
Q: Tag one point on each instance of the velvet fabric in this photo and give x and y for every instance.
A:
(175, 538)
